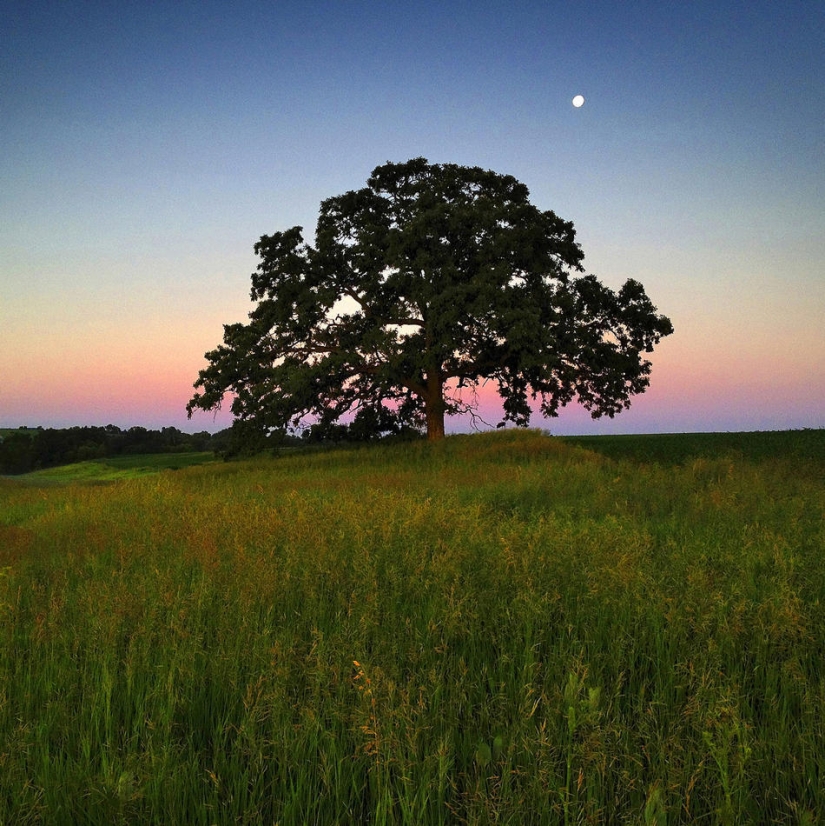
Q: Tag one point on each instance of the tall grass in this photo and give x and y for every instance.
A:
(501, 629)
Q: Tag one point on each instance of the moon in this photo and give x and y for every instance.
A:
(578, 101)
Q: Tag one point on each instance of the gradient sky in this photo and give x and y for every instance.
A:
(145, 147)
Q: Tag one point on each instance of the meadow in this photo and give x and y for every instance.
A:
(114, 468)
(504, 628)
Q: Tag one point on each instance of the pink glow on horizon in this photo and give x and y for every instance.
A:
(696, 394)
(127, 372)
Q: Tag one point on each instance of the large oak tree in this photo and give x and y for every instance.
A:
(428, 282)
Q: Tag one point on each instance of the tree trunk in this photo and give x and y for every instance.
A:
(434, 406)
(435, 423)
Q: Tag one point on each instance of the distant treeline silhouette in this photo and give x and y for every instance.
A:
(35, 448)
(30, 449)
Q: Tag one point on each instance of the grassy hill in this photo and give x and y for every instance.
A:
(115, 468)
(503, 628)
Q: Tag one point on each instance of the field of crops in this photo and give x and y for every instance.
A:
(504, 628)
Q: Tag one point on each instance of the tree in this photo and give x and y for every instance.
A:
(429, 282)
(17, 454)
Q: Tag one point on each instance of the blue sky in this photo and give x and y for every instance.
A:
(144, 148)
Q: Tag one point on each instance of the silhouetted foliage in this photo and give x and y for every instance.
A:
(17, 453)
(246, 439)
(30, 449)
(370, 424)
(422, 286)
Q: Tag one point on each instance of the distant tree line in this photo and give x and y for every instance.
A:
(27, 449)
(30, 449)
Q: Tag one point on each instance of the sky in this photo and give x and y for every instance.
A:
(145, 147)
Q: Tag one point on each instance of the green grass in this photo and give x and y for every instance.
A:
(805, 447)
(504, 628)
(115, 468)
(159, 461)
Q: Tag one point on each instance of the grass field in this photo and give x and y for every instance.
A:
(114, 468)
(505, 628)
(804, 447)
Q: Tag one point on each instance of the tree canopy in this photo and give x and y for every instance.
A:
(427, 283)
